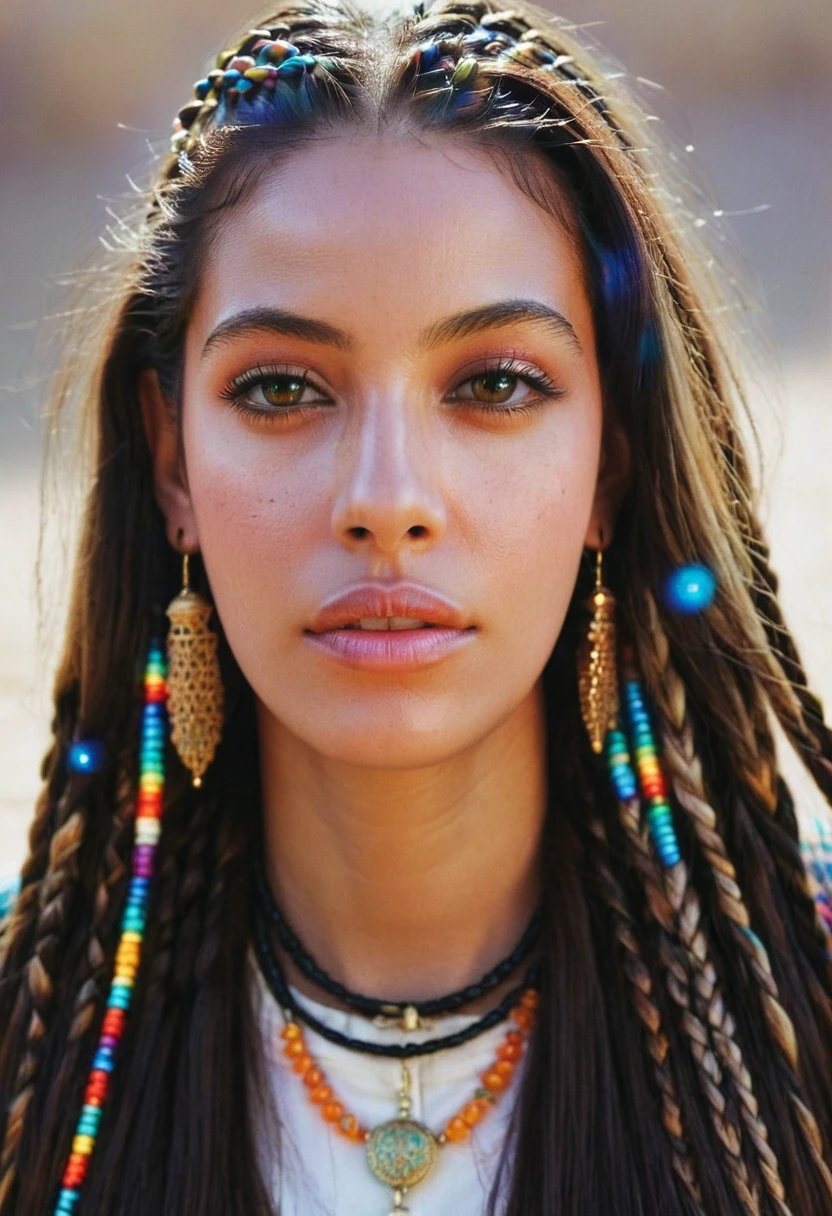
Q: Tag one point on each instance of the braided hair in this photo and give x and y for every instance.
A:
(697, 996)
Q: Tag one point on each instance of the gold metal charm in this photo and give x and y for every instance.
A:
(401, 1017)
(195, 691)
(597, 675)
(402, 1151)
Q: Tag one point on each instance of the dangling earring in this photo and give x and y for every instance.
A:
(195, 691)
(597, 674)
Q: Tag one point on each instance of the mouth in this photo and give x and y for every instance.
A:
(376, 624)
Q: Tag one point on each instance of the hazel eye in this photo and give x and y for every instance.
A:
(493, 388)
(283, 390)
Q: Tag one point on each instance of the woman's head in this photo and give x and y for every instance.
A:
(441, 205)
(404, 458)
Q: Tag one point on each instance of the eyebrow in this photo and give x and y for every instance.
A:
(460, 325)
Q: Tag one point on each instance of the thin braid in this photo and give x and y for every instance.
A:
(675, 905)
(112, 869)
(54, 895)
(641, 984)
(686, 775)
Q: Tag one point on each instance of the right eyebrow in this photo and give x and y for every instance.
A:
(277, 321)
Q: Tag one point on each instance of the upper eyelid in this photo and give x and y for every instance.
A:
(516, 365)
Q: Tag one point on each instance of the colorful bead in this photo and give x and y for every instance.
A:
(648, 768)
(86, 756)
(690, 589)
(128, 953)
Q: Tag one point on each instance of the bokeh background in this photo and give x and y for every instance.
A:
(87, 92)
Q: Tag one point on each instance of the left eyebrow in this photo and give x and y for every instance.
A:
(494, 316)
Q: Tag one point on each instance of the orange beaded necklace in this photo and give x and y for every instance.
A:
(403, 1151)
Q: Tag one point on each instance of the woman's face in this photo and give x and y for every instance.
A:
(355, 412)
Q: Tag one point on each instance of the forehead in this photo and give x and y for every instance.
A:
(391, 226)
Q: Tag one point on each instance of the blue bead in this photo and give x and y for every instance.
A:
(201, 89)
(689, 589)
(86, 756)
(430, 55)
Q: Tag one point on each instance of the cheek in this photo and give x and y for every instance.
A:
(253, 519)
(530, 526)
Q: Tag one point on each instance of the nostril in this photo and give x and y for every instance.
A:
(418, 530)
(359, 532)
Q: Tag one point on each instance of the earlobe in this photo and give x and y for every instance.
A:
(614, 480)
(169, 480)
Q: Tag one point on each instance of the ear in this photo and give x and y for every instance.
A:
(614, 479)
(170, 482)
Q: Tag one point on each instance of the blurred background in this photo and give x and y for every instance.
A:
(87, 92)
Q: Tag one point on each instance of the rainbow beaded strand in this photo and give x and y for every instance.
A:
(648, 774)
(147, 831)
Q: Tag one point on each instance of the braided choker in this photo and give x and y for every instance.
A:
(407, 1013)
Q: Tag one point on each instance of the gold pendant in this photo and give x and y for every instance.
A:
(402, 1151)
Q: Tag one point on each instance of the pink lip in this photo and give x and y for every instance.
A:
(388, 599)
(390, 650)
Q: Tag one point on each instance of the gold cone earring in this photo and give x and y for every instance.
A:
(597, 674)
(195, 691)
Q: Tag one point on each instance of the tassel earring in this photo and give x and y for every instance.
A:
(195, 691)
(597, 674)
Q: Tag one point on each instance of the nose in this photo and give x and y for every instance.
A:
(389, 495)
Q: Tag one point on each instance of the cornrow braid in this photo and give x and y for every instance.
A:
(689, 787)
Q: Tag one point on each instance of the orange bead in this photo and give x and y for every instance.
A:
(523, 1017)
(291, 1031)
(494, 1081)
(474, 1111)
(294, 1049)
(530, 999)
(509, 1051)
(302, 1064)
(313, 1077)
(320, 1094)
(457, 1130)
(332, 1111)
(505, 1068)
(348, 1126)
(515, 1036)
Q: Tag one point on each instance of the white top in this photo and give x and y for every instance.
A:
(314, 1171)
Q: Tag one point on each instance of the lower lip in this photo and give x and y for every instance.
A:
(391, 649)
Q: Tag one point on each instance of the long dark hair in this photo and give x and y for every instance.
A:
(682, 1062)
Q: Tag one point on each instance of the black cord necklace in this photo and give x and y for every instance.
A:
(276, 981)
(410, 1011)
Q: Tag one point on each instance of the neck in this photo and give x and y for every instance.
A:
(407, 883)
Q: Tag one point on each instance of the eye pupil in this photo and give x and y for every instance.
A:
(498, 385)
(281, 387)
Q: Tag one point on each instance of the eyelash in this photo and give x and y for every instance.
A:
(235, 392)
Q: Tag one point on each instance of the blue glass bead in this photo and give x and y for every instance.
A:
(293, 66)
(689, 589)
(202, 88)
(430, 55)
(86, 756)
(231, 78)
(102, 1061)
(67, 1202)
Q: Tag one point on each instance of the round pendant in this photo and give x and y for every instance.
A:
(401, 1152)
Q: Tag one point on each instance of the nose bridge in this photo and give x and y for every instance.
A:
(389, 483)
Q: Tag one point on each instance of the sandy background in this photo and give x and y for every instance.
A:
(88, 88)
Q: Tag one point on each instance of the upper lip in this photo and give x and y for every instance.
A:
(385, 600)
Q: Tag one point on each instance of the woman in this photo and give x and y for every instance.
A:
(461, 876)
